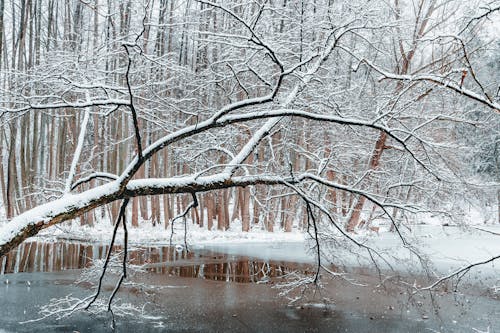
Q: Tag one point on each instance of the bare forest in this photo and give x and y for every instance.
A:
(329, 117)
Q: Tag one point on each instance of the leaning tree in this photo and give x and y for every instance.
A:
(325, 114)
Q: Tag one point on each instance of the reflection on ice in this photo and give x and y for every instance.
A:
(173, 261)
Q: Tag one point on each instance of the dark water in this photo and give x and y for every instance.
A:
(206, 291)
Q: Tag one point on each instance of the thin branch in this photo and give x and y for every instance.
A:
(124, 262)
(96, 175)
(132, 107)
(460, 271)
(120, 217)
(311, 217)
(442, 81)
(66, 105)
(255, 38)
(489, 11)
(488, 231)
(192, 205)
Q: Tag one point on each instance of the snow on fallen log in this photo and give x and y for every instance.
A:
(70, 206)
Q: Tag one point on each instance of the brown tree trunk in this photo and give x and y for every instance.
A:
(220, 211)
(2, 3)
(373, 165)
(245, 209)
(3, 194)
(237, 205)
(155, 200)
(11, 174)
(135, 212)
(225, 206)
(210, 210)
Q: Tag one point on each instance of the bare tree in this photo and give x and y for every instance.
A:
(310, 112)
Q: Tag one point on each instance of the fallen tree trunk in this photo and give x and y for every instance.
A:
(72, 206)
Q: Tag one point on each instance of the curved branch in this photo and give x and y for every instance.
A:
(489, 10)
(192, 205)
(102, 175)
(31, 222)
(217, 119)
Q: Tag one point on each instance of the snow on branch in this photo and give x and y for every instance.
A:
(66, 104)
(71, 206)
(436, 79)
(460, 272)
(95, 175)
(488, 10)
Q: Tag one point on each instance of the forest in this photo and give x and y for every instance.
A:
(331, 118)
(411, 90)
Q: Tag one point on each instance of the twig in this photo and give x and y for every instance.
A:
(124, 262)
(488, 231)
(311, 217)
(96, 175)
(193, 204)
(489, 11)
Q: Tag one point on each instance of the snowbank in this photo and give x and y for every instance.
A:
(146, 234)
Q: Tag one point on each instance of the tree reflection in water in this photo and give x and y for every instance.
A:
(59, 256)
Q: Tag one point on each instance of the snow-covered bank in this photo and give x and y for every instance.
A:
(149, 235)
(447, 247)
(446, 250)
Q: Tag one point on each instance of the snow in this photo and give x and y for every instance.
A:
(147, 234)
(45, 212)
(448, 247)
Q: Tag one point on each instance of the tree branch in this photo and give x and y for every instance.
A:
(459, 271)
(444, 82)
(132, 107)
(120, 218)
(96, 175)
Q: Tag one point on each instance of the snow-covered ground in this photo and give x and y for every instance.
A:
(447, 246)
(446, 250)
(146, 234)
